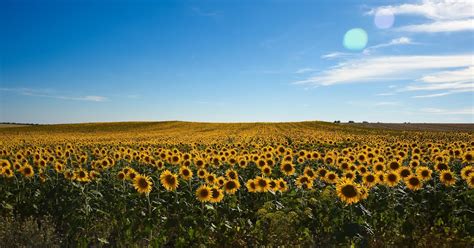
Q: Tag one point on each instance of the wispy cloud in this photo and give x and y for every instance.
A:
(51, 94)
(440, 26)
(393, 42)
(370, 69)
(387, 104)
(198, 11)
(445, 15)
(334, 55)
(463, 111)
(304, 70)
(449, 82)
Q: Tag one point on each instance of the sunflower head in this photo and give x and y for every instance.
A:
(413, 182)
(231, 186)
(391, 179)
(185, 172)
(142, 184)
(287, 168)
(203, 193)
(447, 177)
(216, 195)
(348, 191)
(169, 180)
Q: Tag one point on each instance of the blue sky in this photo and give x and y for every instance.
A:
(231, 61)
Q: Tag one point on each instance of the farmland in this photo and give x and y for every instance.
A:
(186, 184)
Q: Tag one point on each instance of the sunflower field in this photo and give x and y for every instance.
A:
(179, 184)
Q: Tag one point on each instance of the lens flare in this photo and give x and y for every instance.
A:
(355, 39)
(384, 19)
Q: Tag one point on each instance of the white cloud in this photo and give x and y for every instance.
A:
(304, 70)
(463, 111)
(394, 42)
(50, 94)
(384, 68)
(433, 9)
(440, 26)
(387, 104)
(336, 55)
(450, 82)
(445, 15)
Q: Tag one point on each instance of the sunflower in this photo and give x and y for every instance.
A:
(369, 179)
(413, 182)
(121, 175)
(394, 165)
(232, 174)
(321, 172)
(392, 179)
(282, 185)
(348, 191)
(4, 163)
(447, 177)
(216, 195)
(169, 180)
(131, 174)
(69, 174)
(202, 173)
(466, 171)
(470, 180)
(441, 166)
(380, 177)
(424, 173)
(27, 171)
(304, 182)
(220, 181)
(211, 178)
(82, 175)
(262, 184)
(231, 186)
(58, 167)
(266, 170)
(185, 172)
(349, 175)
(468, 157)
(309, 172)
(143, 184)
(7, 172)
(287, 168)
(251, 186)
(203, 193)
(273, 185)
(414, 163)
(378, 167)
(404, 172)
(331, 177)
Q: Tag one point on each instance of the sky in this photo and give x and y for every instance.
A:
(236, 61)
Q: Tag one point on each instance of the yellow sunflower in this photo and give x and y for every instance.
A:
(169, 180)
(413, 182)
(231, 186)
(447, 177)
(251, 186)
(282, 185)
(369, 180)
(424, 173)
(391, 179)
(27, 171)
(185, 173)
(216, 195)
(287, 168)
(348, 191)
(262, 184)
(203, 193)
(143, 184)
(304, 182)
